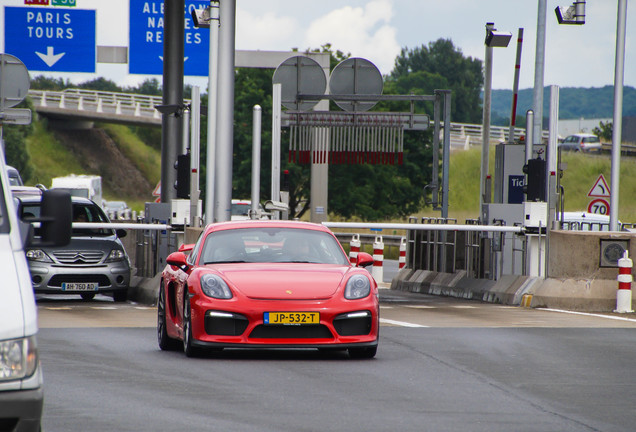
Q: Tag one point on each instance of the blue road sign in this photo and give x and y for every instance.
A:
(51, 40)
(145, 44)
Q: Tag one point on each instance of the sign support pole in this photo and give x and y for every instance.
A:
(225, 112)
(171, 125)
(618, 112)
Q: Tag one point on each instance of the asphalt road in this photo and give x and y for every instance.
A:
(442, 365)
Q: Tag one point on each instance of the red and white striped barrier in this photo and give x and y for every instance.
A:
(378, 257)
(402, 258)
(624, 292)
(354, 248)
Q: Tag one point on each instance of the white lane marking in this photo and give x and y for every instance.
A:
(589, 314)
(464, 307)
(421, 307)
(400, 323)
(104, 307)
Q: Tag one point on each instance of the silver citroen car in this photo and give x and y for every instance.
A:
(95, 260)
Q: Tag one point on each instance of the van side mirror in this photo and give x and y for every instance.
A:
(56, 217)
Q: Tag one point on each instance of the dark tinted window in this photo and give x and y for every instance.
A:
(81, 213)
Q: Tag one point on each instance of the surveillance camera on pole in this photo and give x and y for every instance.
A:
(201, 17)
(575, 14)
(276, 206)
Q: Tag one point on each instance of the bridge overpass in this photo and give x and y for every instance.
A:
(78, 105)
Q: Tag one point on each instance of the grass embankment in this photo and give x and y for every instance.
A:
(51, 158)
(578, 178)
(145, 158)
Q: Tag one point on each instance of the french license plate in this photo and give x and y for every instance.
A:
(79, 286)
(291, 318)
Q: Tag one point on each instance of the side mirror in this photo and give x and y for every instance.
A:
(121, 233)
(186, 247)
(56, 217)
(177, 259)
(364, 259)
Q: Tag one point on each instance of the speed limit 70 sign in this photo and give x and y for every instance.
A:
(599, 206)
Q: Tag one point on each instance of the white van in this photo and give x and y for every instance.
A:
(21, 393)
(584, 221)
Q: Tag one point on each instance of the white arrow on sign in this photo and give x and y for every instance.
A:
(184, 59)
(49, 58)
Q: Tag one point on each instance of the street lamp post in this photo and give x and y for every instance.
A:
(494, 38)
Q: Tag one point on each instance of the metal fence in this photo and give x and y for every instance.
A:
(441, 245)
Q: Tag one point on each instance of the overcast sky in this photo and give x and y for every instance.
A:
(576, 56)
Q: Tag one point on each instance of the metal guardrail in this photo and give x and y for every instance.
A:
(442, 245)
(99, 105)
(466, 134)
(626, 149)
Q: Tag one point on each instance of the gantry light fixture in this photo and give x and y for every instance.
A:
(574, 14)
(495, 38)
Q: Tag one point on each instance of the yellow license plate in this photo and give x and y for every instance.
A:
(293, 318)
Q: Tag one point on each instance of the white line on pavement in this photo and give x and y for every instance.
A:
(400, 323)
(589, 314)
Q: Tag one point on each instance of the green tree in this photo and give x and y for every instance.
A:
(604, 131)
(149, 86)
(100, 84)
(41, 82)
(441, 59)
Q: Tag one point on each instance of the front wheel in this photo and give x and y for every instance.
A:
(120, 296)
(166, 343)
(363, 353)
(188, 348)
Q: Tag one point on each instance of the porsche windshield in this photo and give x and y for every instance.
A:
(276, 245)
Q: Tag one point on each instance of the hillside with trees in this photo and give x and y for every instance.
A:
(574, 103)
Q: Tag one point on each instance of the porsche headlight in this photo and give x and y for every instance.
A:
(358, 286)
(18, 358)
(214, 286)
(38, 255)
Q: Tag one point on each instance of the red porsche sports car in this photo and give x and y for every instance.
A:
(262, 283)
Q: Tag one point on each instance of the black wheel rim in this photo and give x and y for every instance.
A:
(186, 326)
(161, 317)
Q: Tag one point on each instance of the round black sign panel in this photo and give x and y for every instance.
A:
(355, 76)
(299, 75)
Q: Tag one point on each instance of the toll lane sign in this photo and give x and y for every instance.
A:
(146, 39)
(51, 40)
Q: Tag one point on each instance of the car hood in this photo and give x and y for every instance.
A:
(284, 281)
(105, 244)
